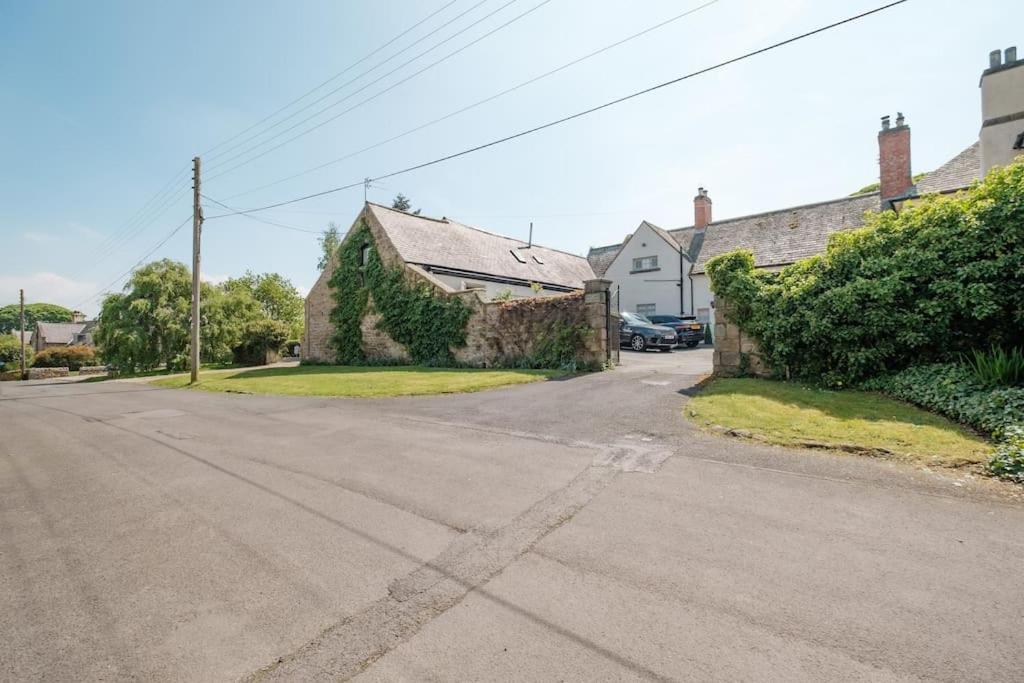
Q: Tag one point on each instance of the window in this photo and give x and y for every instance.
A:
(364, 255)
(704, 314)
(645, 263)
(645, 309)
(1019, 142)
(517, 256)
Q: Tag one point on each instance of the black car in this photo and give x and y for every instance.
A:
(641, 334)
(688, 331)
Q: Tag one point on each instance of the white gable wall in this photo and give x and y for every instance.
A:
(659, 287)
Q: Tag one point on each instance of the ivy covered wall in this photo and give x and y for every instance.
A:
(414, 314)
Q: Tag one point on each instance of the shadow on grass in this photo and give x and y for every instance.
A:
(840, 404)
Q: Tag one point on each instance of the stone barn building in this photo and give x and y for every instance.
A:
(516, 291)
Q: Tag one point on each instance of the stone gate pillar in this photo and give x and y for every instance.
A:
(602, 346)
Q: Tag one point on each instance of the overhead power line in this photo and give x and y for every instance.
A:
(491, 98)
(374, 96)
(261, 220)
(136, 264)
(350, 82)
(585, 112)
(334, 77)
(158, 204)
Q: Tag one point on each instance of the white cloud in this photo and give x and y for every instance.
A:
(48, 288)
(38, 237)
(212, 279)
(85, 231)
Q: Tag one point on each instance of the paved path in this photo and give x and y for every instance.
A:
(576, 530)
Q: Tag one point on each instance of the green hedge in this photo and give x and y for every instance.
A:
(941, 277)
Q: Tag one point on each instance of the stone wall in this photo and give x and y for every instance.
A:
(34, 373)
(735, 353)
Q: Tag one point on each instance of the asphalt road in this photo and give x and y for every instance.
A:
(567, 530)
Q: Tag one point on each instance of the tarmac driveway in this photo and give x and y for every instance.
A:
(575, 529)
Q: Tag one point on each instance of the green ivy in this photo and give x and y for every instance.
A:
(427, 323)
(940, 278)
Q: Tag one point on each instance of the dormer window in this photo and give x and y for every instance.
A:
(517, 256)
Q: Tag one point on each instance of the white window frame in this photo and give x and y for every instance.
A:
(645, 262)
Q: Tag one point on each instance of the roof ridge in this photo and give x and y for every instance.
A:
(784, 210)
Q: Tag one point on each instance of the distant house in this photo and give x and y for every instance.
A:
(78, 332)
(656, 270)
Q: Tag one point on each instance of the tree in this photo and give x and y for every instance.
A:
(148, 324)
(47, 313)
(329, 242)
(10, 353)
(402, 203)
(276, 295)
(225, 313)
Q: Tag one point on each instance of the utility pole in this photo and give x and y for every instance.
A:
(197, 230)
(21, 297)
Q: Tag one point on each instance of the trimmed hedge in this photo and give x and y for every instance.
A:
(70, 357)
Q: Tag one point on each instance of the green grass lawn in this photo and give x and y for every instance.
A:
(796, 415)
(333, 380)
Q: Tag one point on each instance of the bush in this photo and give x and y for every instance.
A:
(70, 357)
(952, 390)
(10, 352)
(942, 277)
(1008, 460)
(258, 338)
(997, 367)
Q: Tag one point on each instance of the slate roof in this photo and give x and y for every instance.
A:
(786, 235)
(956, 174)
(448, 244)
(601, 257)
(59, 333)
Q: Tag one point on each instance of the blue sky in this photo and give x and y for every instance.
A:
(103, 103)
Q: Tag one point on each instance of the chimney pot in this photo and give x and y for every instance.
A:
(894, 173)
(995, 59)
(1010, 55)
(701, 210)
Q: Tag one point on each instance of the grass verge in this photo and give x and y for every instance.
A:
(791, 414)
(332, 380)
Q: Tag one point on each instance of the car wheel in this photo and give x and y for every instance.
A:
(691, 345)
(637, 343)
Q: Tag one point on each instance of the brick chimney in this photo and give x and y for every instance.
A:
(701, 210)
(895, 177)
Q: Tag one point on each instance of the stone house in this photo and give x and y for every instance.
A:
(516, 290)
(78, 332)
(656, 270)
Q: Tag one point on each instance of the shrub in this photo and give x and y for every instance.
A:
(997, 366)
(259, 337)
(10, 352)
(942, 277)
(1008, 460)
(952, 390)
(70, 357)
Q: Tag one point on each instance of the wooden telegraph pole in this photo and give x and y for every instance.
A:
(21, 298)
(197, 229)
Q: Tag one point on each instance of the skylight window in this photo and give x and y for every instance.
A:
(517, 256)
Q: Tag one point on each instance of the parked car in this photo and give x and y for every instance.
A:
(641, 334)
(688, 330)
